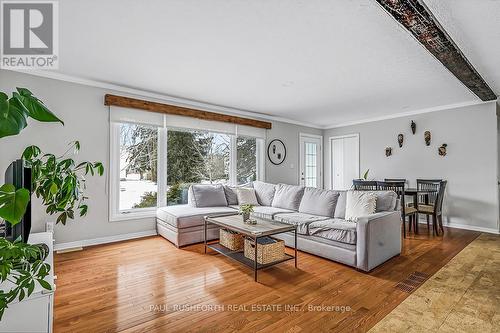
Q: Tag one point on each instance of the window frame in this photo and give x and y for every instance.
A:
(162, 159)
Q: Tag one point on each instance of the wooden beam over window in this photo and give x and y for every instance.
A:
(415, 17)
(134, 103)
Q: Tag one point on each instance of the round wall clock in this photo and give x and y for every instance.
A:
(276, 152)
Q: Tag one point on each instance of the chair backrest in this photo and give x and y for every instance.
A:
(438, 205)
(395, 180)
(399, 188)
(428, 185)
(364, 185)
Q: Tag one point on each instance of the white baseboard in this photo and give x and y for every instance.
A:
(466, 227)
(103, 240)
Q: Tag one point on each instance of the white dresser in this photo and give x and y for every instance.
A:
(35, 313)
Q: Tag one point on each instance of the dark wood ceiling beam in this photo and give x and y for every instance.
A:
(415, 17)
(135, 103)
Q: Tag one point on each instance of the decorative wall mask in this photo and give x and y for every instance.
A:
(400, 140)
(442, 149)
(276, 152)
(388, 151)
(427, 137)
(413, 127)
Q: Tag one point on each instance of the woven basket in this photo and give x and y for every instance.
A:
(266, 253)
(231, 240)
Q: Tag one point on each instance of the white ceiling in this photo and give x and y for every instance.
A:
(319, 62)
(475, 27)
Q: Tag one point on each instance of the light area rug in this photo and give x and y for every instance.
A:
(463, 296)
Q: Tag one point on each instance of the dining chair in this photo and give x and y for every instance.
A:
(410, 212)
(436, 209)
(395, 180)
(431, 185)
(364, 185)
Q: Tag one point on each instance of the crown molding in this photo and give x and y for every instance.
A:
(182, 102)
(409, 113)
(177, 101)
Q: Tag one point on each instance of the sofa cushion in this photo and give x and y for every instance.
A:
(334, 229)
(264, 192)
(318, 202)
(231, 196)
(266, 212)
(340, 207)
(386, 201)
(246, 196)
(301, 220)
(360, 203)
(207, 196)
(185, 216)
(288, 196)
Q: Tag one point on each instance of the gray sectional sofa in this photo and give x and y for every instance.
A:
(319, 216)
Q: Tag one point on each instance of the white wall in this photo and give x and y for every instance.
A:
(288, 171)
(470, 166)
(86, 119)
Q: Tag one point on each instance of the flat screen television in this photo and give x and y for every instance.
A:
(20, 177)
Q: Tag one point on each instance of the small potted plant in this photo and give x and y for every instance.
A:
(245, 211)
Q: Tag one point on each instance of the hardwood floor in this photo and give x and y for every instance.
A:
(148, 285)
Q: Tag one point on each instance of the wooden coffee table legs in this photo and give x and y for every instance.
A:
(295, 246)
(255, 260)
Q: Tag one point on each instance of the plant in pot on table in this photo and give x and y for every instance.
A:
(245, 211)
(57, 180)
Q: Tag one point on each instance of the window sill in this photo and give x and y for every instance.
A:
(143, 214)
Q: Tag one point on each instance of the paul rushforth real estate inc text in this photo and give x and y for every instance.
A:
(248, 308)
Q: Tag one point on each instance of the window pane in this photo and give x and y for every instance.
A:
(310, 165)
(138, 166)
(195, 157)
(215, 150)
(246, 157)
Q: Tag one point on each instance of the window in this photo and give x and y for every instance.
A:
(138, 167)
(311, 176)
(246, 160)
(154, 165)
(195, 157)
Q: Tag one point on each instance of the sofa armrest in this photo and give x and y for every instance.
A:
(378, 239)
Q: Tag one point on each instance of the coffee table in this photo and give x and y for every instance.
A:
(264, 227)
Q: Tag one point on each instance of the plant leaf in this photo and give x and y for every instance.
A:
(44, 284)
(99, 167)
(83, 210)
(13, 203)
(12, 117)
(77, 146)
(4, 105)
(53, 188)
(34, 107)
(30, 152)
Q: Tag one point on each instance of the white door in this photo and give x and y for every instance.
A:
(311, 160)
(344, 161)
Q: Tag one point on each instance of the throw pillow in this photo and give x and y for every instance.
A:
(359, 204)
(340, 207)
(246, 196)
(288, 196)
(318, 202)
(264, 192)
(207, 196)
(386, 201)
(231, 195)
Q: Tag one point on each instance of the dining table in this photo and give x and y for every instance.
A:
(415, 192)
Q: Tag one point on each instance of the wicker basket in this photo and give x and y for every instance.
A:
(266, 253)
(231, 240)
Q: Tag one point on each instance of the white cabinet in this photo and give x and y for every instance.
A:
(35, 313)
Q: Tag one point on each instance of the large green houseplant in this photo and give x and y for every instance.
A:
(58, 181)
